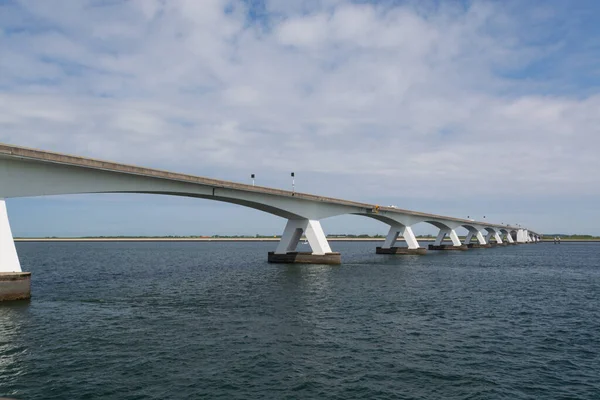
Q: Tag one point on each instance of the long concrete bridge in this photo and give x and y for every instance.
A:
(28, 172)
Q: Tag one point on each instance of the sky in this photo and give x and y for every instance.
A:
(460, 108)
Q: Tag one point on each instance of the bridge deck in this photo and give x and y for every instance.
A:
(46, 156)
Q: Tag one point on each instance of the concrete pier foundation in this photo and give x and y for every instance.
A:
(400, 250)
(479, 246)
(15, 286)
(305, 258)
(448, 247)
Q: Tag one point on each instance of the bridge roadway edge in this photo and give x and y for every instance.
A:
(42, 156)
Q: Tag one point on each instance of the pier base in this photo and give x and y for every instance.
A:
(499, 244)
(15, 286)
(305, 258)
(478, 246)
(448, 247)
(400, 250)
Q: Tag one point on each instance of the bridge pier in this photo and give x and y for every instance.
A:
(302, 257)
(401, 250)
(462, 247)
(498, 238)
(479, 246)
(508, 240)
(523, 236)
(412, 245)
(482, 242)
(456, 244)
(286, 249)
(14, 284)
(489, 236)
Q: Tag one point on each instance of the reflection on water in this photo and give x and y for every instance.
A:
(306, 289)
(13, 318)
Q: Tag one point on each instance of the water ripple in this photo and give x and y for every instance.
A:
(214, 320)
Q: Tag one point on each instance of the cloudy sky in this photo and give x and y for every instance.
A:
(453, 107)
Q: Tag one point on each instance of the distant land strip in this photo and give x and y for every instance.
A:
(238, 239)
(182, 239)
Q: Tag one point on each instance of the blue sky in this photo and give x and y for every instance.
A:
(454, 107)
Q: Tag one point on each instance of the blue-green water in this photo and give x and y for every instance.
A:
(215, 320)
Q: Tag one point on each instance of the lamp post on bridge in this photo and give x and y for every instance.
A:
(293, 183)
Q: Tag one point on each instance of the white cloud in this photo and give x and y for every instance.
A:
(412, 97)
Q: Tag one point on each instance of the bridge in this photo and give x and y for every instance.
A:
(26, 172)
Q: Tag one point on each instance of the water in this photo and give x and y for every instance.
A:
(215, 320)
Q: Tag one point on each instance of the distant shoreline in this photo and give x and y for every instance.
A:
(183, 239)
(196, 239)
